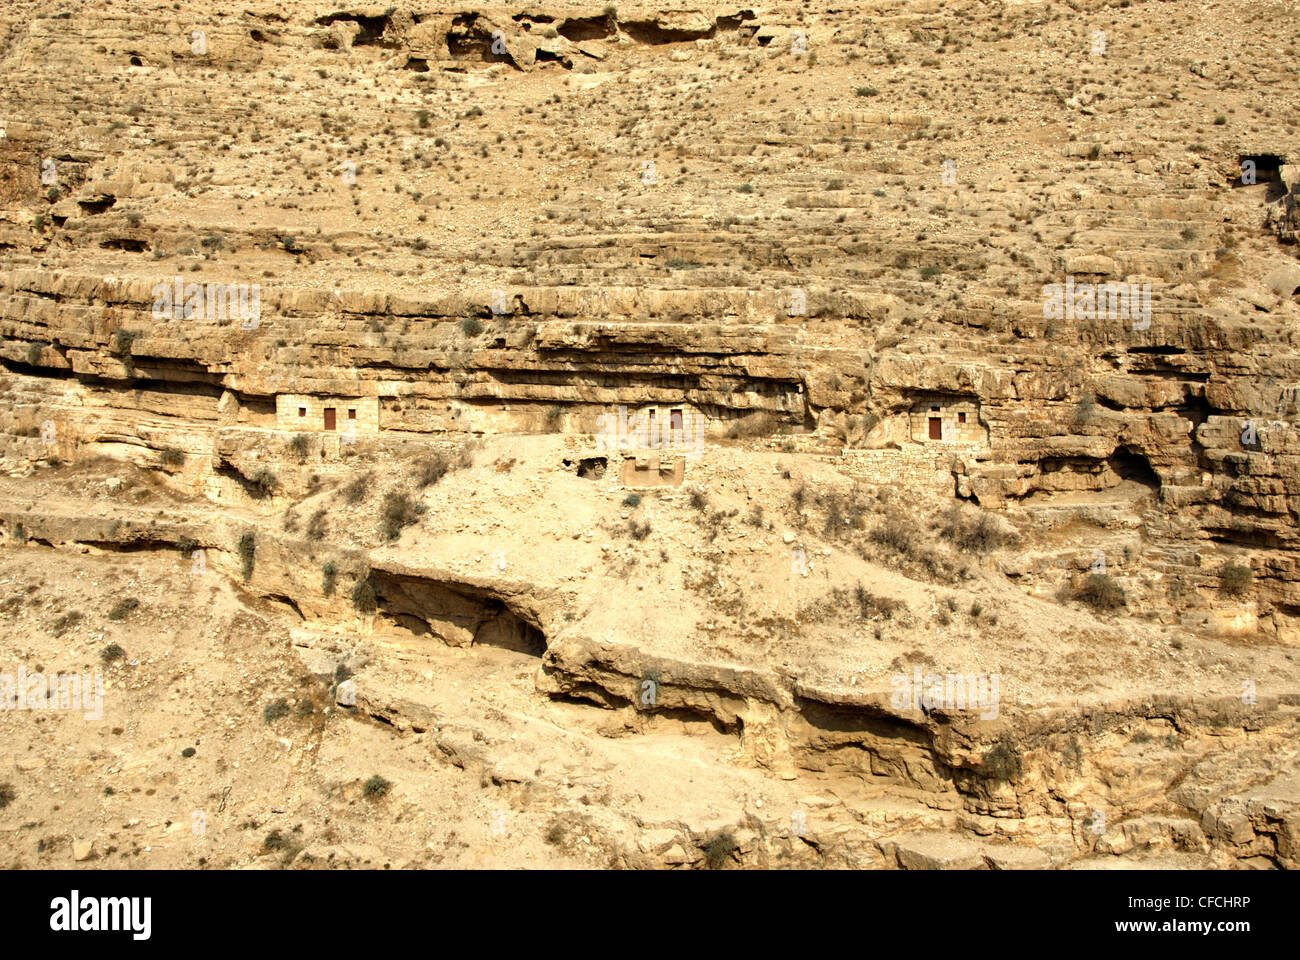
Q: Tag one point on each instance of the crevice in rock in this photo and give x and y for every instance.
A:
(93, 207)
(372, 28)
(459, 614)
(589, 693)
(129, 244)
(581, 29)
(1258, 539)
(289, 602)
(1161, 351)
(649, 32)
(879, 744)
(467, 40)
(584, 694)
(142, 545)
(31, 370)
(736, 21)
(255, 488)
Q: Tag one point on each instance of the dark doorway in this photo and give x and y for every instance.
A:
(329, 418)
(675, 422)
(593, 468)
(1267, 169)
(1130, 465)
(936, 428)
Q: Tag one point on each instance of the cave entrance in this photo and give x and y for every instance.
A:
(1257, 168)
(458, 615)
(582, 29)
(592, 468)
(504, 629)
(1133, 467)
(649, 32)
(371, 29)
(130, 244)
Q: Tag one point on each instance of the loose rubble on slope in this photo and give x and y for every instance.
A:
(573, 435)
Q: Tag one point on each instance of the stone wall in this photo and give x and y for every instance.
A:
(653, 471)
(304, 412)
(959, 421)
(910, 467)
(654, 427)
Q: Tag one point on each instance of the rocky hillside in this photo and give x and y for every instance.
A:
(628, 398)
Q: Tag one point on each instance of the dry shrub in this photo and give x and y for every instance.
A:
(1100, 591)
(894, 533)
(1236, 579)
(757, 424)
(431, 468)
(357, 489)
(399, 511)
(869, 605)
(972, 532)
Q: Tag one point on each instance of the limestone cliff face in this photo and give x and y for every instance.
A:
(939, 252)
(1196, 414)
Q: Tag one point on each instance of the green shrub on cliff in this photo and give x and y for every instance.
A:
(1235, 580)
(247, 545)
(1101, 592)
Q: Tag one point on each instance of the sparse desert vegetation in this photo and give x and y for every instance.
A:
(684, 439)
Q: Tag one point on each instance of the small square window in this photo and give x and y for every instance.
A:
(302, 411)
(934, 409)
(961, 418)
(352, 414)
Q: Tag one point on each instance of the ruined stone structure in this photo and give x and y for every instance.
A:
(654, 470)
